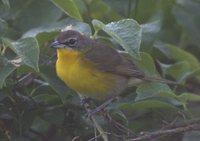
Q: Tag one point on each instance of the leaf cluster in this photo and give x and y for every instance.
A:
(161, 37)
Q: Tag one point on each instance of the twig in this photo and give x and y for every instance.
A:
(93, 119)
(40, 82)
(94, 138)
(99, 128)
(121, 127)
(182, 124)
(26, 80)
(148, 136)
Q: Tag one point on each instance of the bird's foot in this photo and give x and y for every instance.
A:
(84, 101)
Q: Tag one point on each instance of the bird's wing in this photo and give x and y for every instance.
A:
(109, 60)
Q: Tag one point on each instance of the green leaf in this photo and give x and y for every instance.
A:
(47, 99)
(146, 63)
(48, 74)
(189, 9)
(6, 3)
(149, 34)
(191, 136)
(6, 68)
(69, 7)
(3, 27)
(107, 14)
(55, 116)
(40, 124)
(3, 93)
(149, 90)
(27, 118)
(146, 104)
(57, 26)
(117, 113)
(27, 49)
(24, 15)
(143, 14)
(197, 73)
(178, 54)
(189, 97)
(120, 6)
(126, 32)
(179, 71)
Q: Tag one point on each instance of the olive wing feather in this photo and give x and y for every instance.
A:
(109, 60)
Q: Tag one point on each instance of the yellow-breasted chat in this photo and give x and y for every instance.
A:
(94, 69)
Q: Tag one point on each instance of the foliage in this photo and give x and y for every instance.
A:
(162, 38)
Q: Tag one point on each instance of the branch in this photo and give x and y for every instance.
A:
(102, 133)
(188, 127)
(119, 126)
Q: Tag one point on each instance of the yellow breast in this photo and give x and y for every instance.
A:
(81, 75)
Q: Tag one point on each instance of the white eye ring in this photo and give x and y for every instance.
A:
(71, 41)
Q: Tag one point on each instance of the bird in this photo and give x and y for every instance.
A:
(94, 69)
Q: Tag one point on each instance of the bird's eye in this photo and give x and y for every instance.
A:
(72, 41)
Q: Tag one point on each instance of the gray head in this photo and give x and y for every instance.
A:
(71, 39)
